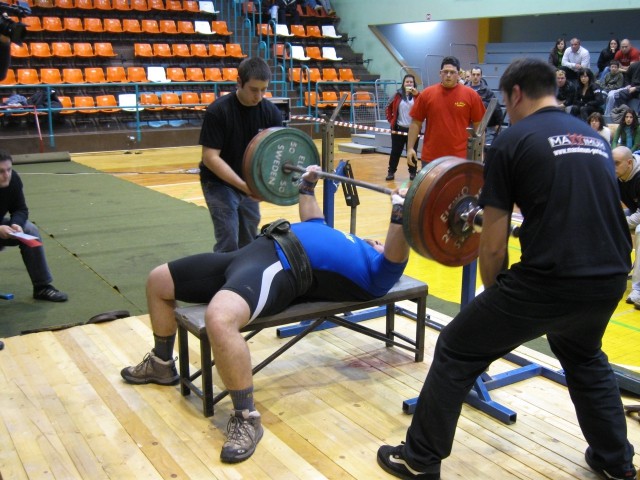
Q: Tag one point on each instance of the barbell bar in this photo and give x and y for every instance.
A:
(441, 213)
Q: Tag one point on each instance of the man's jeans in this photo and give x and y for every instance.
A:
(616, 98)
(33, 257)
(235, 216)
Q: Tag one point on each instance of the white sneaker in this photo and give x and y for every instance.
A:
(634, 298)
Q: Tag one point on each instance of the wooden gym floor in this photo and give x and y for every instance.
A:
(327, 404)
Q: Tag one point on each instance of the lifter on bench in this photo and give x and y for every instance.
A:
(312, 261)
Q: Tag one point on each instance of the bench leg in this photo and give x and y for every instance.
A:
(421, 322)
(391, 320)
(207, 376)
(183, 358)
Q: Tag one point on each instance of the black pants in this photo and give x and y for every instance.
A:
(398, 143)
(494, 323)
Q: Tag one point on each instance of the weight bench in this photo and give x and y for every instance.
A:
(191, 320)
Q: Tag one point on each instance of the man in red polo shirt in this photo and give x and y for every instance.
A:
(449, 108)
(626, 55)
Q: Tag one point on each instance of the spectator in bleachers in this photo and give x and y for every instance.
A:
(575, 59)
(627, 134)
(397, 113)
(229, 124)
(288, 7)
(629, 92)
(555, 56)
(613, 79)
(627, 55)
(587, 98)
(318, 5)
(5, 56)
(566, 91)
(596, 120)
(606, 55)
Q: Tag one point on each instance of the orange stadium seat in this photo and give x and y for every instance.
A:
(51, 76)
(174, 5)
(10, 78)
(230, 74)
(217, 50)
(314, 53)
(94, 75)
(40, 50)
(162, 50)
(140, 5)
(199, 50)
(64, 4)
(61, 49)
(131, 25)
(93, 25)
(73, 24)
(85, 105)
(346, 75)
(296, 76)
(142, 50)
(212, 74)
(363, 99)
(194, 74)
(176, 74)
(310, 99)
(171, 101)
(27, 76)
(329, 99)
(314, 75)
(330, 75)
(207, 98)
(102, 5)
(191, 6)
(116, 75)
(122, 5)
(313, 31)
(137, 74)
(186, 27)
(156, 5)
(168, 27)
(298, 31)
(107, 103)
(150, 26)
(52, 24)
(180, 50)
(84, 4)
(33, 24)
(83, 49)
(220, 28)
(234, 50)
(72, 75)
(112, 25)
(104, 49)
(67, 105)
(190, 100)
(19, 51)
(150, 101)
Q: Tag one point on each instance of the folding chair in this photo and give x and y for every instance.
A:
(180, 50)
(194, 74)
(93, 25)
(168, 27)
(150, 26)
(230, 74)
(176, 74)
(199, 50)
(330, 75)
(33, 24)
(50, 76)
(162, 50)
(142, 50)
(234, 50)
(52, 24)
(73, 24)
(112, 25)
(185, 27)
(40, 50)
(94, 75)
(212, 74)
(346, 75)
(137, 74)
(217, 50)
(61, 49)
(131, 25)
(329, 53)
(116, 75)
(220, 28)
(104, 49)
(83, 49)
(19, 51)
(72, 75)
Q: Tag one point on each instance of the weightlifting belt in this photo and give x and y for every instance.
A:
(280, 232)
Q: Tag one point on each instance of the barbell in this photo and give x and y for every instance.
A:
(441, 213)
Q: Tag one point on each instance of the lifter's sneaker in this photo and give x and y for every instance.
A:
(392, 461)
(244, 431)
(152, 369)
(49, 293)
(627, 472)
(634, 298)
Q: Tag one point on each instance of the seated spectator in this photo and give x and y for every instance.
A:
(627, 55)
(14, 219)
(479, 84)
(566, 91)
(555, 56)
(613, 79)
(627, 134)
(606, 55)
(587, 98)
(596, 120)
(287, 7)
(626, 93)
(318, 5)
(575, 59)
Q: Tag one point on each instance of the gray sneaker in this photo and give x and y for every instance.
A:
(244, 431)
(152, 370)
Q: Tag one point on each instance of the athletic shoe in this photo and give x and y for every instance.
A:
(628, 472)
(49, 293)
(392, 461)
(152, 370)
(634, 298)
(244, 431)
(389, 177)
(412, 176)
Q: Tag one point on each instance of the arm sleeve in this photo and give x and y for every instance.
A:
(5, 59)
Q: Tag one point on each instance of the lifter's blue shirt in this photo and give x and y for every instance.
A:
(356, 260)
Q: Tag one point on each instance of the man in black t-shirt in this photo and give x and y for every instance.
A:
(571, 275)
(230, 123)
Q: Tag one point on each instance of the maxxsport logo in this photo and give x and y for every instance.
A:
(576, 143)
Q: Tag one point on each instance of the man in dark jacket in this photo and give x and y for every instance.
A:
(480, 85)
(566, 91)
(12, 202)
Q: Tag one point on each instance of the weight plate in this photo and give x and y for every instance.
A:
(265, 156)
(436, 189)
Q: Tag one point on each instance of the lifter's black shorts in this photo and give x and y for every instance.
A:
(253, 272)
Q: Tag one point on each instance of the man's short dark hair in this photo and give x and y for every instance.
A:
(450, 61)
(4, 156)
(253, 68)
(536, 78)
(476, 68)
(614, 62)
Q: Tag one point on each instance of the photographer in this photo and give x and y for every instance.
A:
(5, 56)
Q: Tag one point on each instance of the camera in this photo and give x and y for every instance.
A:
(16, 31)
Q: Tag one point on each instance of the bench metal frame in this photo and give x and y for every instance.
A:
(191, 320)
